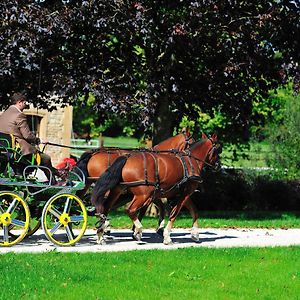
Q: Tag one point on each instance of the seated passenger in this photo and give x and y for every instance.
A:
(14, 121)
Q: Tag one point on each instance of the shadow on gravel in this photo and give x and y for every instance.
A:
(124, 238)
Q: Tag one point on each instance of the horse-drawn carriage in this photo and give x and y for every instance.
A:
(27, 201)
(169, 170)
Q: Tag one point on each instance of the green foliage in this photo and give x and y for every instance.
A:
(284, 135)
(186, 123)
(132, 56)
(88, 120)
(214, 122)
(270, 109)
(247, 190)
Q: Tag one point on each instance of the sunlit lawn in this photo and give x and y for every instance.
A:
(200, 273)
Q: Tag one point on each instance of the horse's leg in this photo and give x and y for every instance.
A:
(175, 211)
(194, 213)
(137, 202)
(142, 213)
(81, 193)
(161, 216)
(102, 211)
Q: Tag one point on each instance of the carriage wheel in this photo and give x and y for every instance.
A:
(34, 226)
(14, 218)
(64, 219)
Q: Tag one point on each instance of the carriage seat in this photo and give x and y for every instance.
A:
(7, 145)
(11, 154)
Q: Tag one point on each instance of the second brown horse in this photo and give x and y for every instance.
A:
(149, 176)
(94, 163)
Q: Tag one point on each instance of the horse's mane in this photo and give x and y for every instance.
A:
(196, 143)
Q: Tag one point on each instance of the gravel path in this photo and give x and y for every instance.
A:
(120, 240)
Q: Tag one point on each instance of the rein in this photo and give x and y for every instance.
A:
(198, 159)
(107, 149)
(60, 145)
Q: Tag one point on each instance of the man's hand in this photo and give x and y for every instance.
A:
(44, 141)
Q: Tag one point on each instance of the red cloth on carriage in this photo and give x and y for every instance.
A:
(66, 163)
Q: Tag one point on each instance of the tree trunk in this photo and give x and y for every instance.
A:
(162, 125)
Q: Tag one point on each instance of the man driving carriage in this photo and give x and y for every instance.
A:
(14, 121)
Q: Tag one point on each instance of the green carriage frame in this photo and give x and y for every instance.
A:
(26, 203)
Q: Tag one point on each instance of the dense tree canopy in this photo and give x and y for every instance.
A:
(151, 60)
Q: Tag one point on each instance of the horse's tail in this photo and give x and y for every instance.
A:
(108, 180)
(83, 161)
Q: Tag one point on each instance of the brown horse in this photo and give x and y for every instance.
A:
(94, 163)
(149, 176)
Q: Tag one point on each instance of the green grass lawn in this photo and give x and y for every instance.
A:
(229, 219)
(119, 142)
(200, 273)
(122, 142)
(257, 156)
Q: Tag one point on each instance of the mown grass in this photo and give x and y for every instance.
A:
(229, 219)
(200, 273)
(122, 142)
(258, 155)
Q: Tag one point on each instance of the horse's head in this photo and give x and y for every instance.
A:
(179, 142)
(188, 139)
(213, 155)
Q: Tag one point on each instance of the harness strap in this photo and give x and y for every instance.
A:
(191, 165)
(186, 159)
(156, 175)
(145, 167)
(108, 159)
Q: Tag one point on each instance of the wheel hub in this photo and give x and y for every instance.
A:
(64, 219)
(5, 218)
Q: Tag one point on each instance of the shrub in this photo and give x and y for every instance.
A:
(245, 190)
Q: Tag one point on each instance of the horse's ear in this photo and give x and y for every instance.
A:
(214, 137)
(204, 136)
(186, 130)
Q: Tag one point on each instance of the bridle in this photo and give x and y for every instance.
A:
(188, 140)
(214, 148)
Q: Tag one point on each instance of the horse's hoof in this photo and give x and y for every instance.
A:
(102, 242)
(195, 237)
(168, 242)
(107, 232)
(160, 232)
(137, 237)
